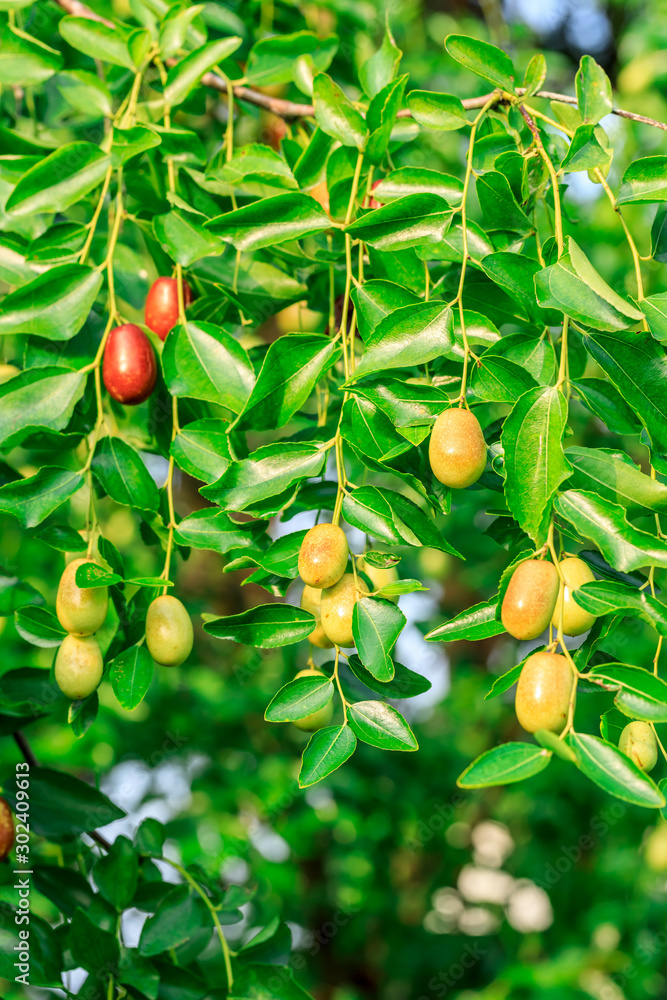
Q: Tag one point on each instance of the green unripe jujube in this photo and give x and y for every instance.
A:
(380, 577)
(457, 449)
(576, 621)
(80, 611)
(78, 666)
(530, 599)
(169, 635)
(311, 600)
(638, 742)
(337, 607)
(543, 692)
(316, 720)
(323, 556)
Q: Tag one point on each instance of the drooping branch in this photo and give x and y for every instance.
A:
(291, 110)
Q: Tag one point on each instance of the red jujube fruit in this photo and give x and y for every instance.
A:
(129, 368)
(161, 310)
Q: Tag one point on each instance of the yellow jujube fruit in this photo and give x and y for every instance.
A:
(530, 599)
(323, 556)
(78, 666)
(543, 692)
(316, 720)
(6, 829)
(311, 600)
(380, 577)
(337, 607)
(638, 742)
(169, 634)
(576, 621)
(80, 611)
(457, 449)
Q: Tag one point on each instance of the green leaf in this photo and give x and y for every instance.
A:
(92, 948)
(336, 115)
(117, 873)
(417, 180)
(638, 369)
(376, 72)
(605, 401)
(499, 205)
(505, 764)
(381, 118)
(62, 806)
(205, 362)
(593, 90)
(535, 75)
(90, 575)
(187, 73)
(184, 239)
(376, 625)
(438, 111)
(54, 305)
(121, 473)
(32, 499)
(269, 471)
(39, 626)
(644, 181)
(327, 749)
(392, 517)
(598, 471)
(24, 60)
(654, 308)
(178, 916)
(375, 299)
(412, 221)
(505, 682)
(267, 626)
(266, 982)
(485, 60)
(573, 286)
(215, 530)
(130, 674)
(406, 404)
(641, 694)
(39, 397)
(535, 464)
(85, 92)
(130, 142)
(659, 235)
(615, 773)
(404, 684)
(381, 725)
(272, 60)
(300, 698)
(586, 150)
(201, 449)
(293, 365)
(550, 741)
(499, 380)
(271, 221)
(97, 40)
(515, 274)
(478, 622)
(409, 336)
(59, 180)
(622, 545)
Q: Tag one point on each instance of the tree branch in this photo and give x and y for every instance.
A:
(290, 110)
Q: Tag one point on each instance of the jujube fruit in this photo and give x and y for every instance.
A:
(161, 309)
(575, 620)
(543, 692)
(169, 634)
(129, 368)
(80, 610)
(457, 449)
(316, 720)
(323, 556)
(530, 599)
(78, 666)
(638, 742)
(6, 829)
(380, 577)
(311, 600)
(337, 607)
(7, 372)
(321, 195)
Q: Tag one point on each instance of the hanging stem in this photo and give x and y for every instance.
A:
(558, 216)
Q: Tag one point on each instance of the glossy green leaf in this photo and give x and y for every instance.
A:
(412, 221)
(300, 698)
(535, 464)
(201, 448)
(439, 111)
(177, 917)
(187, 72)
(376, 625)
(272, 60)
(410, 335)
(586, 150)
(478, 622)
(535, 75)
(85, 92)
(327, 749)
(204, 361)
(32, 499)
(598, 471)
(213, 529)
(644, 181)
(483, 59)
(271, 221)
(654, 308)
(54, 305)
(130, 674)
(593, 90)
(606, 402)
(623, 545)
(336, 115)
(122, 474)
(418, 180)
(184, 239)
(59, 180)
(24, 60)
(380, 725)
(268, 472)
(497, 379)
(39, 626)
(39, 397)
(505, 764)
(376, 72)
(499, 205)
(117, 873)
(99, 41)
(404, 684)
(505, 681)
(268, 626)
(62, 806)
(615, 773)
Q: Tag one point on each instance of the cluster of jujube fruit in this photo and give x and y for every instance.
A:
(129, 367)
